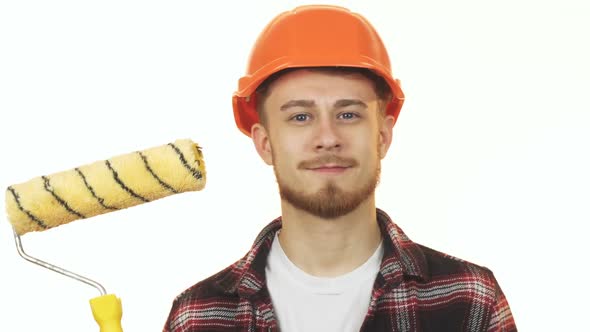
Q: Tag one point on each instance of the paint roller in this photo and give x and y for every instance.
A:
(101, 187)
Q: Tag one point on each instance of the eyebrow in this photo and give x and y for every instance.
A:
(349, 102)
(298, 103)
(310, 103)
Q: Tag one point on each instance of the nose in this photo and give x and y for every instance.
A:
(327, 137)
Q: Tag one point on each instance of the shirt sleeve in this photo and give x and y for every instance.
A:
(170, 325)
(501, 319)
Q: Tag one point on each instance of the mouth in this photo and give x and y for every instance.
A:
(328, 165)
(330, 168)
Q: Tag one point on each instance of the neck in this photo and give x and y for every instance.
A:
(328, 248)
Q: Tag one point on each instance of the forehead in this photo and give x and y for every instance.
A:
(308, 84)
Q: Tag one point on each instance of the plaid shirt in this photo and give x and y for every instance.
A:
(416, 289)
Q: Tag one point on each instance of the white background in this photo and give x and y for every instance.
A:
(489, 162)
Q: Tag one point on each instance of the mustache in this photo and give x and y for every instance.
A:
(328, 159)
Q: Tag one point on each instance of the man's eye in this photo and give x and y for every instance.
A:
(348, 115)
(300, 117)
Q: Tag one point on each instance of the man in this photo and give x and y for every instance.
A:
(319, 102)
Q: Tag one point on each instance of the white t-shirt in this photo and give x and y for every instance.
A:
(306, 303)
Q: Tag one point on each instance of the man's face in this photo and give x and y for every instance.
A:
(325, 139)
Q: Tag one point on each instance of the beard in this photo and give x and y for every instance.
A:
(330, 201)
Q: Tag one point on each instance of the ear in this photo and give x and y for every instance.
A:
(385, 134)
(261, 142)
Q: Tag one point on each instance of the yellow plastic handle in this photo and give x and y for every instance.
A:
(107, 312)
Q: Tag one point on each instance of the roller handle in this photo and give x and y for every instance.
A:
(107, 312)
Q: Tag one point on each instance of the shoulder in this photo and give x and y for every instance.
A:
(467, 287)
(454, 293)
(207, 302)
(460, 283)
(220, 302)
(206, 288)
(441, 265)
(459, 276)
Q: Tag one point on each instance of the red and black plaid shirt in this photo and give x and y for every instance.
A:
(416, 289)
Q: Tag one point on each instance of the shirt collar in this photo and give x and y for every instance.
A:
(401, 258)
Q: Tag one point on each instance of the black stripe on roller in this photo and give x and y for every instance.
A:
(195, 172)
(200, 155)
(60, 200)
(127, 189)
(160, 181)
(89, 187)
(27, 212)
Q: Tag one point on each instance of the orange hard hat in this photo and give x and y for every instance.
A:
(312, 36)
